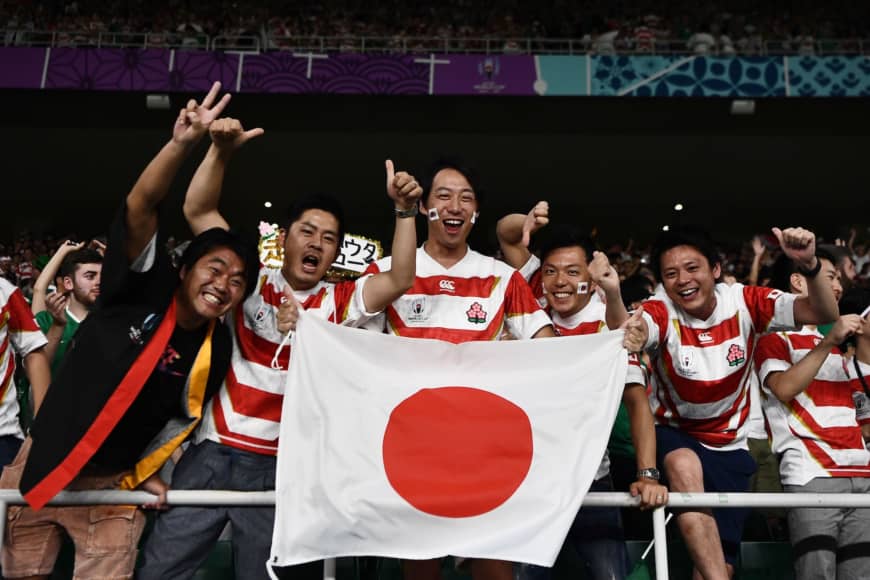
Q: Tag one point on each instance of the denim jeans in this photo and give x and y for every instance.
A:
(183, 537)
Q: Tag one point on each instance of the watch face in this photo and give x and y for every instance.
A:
(650, 472)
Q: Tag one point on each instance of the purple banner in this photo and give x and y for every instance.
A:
(195, 71)
(482, 74)
(108, 69)
(21, 68)
(284, 72)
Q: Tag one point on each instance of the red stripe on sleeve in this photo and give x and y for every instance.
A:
(21, 317)
(519, 298)
(761, 302)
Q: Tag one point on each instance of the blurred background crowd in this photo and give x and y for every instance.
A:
(741, 27)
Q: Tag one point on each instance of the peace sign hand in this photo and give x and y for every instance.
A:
(194, 120)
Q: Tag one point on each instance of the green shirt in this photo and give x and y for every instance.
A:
(620, 437)
(45, 320)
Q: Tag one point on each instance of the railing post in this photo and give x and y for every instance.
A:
(661, 543)
(3, 508)
(329, 569)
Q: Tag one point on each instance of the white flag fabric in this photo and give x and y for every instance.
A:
(417, 448)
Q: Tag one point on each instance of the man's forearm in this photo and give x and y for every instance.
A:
(38, 373)
(203, 194)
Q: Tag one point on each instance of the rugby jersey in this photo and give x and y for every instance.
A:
(19, 335)
(246, 411)
(472, 300)
(818, 433)
(702, 369)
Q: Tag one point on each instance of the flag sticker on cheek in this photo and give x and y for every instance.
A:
(457, 451)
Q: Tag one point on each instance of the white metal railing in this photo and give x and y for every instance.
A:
(529, 45)
(417, 44)
(597, 499)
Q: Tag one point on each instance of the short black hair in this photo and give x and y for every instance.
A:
(566, 236)
(317, 200)
(688, 235)
(457, 164)
(238, 242)
(72, 260)
(783, 267)
(635, 288)
(838, 254)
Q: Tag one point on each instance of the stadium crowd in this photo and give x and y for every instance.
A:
(140, 353)
(23, 257)
(635, 26)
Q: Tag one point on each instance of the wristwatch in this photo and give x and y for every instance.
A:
(649, 473)
(407, 213)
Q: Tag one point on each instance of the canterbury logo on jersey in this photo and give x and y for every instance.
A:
(447, 285)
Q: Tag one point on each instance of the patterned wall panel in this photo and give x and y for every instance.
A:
(835, 76)
(21, 68)
(441, 74)
(108, 69)
(336, 73)
(688, 76)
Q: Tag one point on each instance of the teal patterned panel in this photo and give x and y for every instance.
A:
(831, 76)
(688, 76)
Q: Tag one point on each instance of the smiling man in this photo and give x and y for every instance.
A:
(235, 448)
(566, 278)
(134, 380)
(701, 341)
(459, 295)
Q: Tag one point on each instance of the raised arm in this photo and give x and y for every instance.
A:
(787, 385)
(204, 192)
(757, 255)
(643, 436)
(819, 306)
(385, 287)
(605, 276)
(46, 277)
(514, 233)
(38, 373)
(153, 184)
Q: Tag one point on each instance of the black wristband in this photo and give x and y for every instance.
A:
(406, 213)
(811, 273)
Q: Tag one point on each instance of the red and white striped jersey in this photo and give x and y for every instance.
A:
(702, 369)
(818, 433)
(19, 335)
(246, 411)
(472, 300)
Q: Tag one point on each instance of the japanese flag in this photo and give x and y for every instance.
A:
(416, 448)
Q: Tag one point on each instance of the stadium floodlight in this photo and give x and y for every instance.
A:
(267, 204)
(678, 207)
(157, 102)
(743, 107)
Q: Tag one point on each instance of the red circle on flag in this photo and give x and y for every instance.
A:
(457, 451)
